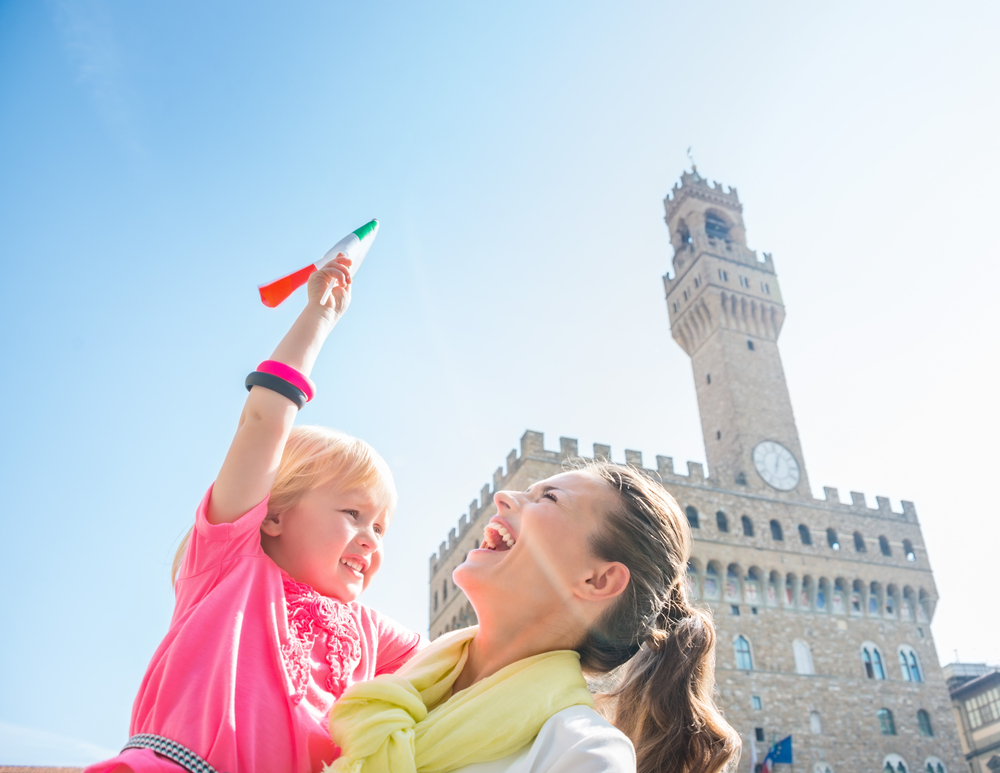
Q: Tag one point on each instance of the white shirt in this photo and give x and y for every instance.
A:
(574, 740)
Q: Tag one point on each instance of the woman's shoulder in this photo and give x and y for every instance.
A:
(582, 733)
(574, 740)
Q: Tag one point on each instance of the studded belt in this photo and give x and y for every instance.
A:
(172, 750)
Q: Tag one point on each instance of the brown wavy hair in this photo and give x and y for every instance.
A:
(664, 699)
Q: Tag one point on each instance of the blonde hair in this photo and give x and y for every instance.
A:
(312, 457)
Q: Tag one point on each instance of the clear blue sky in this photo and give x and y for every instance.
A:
(159, 161)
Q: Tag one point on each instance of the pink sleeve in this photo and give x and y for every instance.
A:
(396, 644)
(213, 550)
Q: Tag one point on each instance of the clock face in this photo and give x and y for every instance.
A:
(776, 465)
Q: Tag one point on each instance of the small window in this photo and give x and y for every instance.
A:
(444, 590)
(721, 521)
(723, 275)
(744, 661)
(924, 721)
(744, 282)
(718, 434)
(859, 542)
(883, 545)
(776, 533)
(908, 550)
(692, 515)
(804, 536)
(708, 377)
(675, 307)
(815, 726)
(697, 281)
(758, 733)
(749, 344)
(686, 295)
(765, 287)
(885, 723)
(735, 610)
(756, 702)
(435, 601)
(747, 526)
(831, 539)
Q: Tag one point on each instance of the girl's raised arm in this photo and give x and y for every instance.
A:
(252, 462)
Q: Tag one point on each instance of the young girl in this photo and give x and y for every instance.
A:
(267, 632)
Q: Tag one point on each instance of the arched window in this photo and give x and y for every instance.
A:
(803, 658)
(934, 765)
(908, 550)
(711, 584)
(692, 515)
(815, 725)
(804, 536)
(732, 587)
(856, 590)
(831, 539)
(859, 543)
(715, 226)
(909, 665)
(891, 601)
(822, 594)
(883, 545)
(776, 533)
(874, 603)
(747, 526)
(871, 658)
(744, 661)
(790, 590)
(721, 521)
(893, 763)
(924, 722)
(885, 723)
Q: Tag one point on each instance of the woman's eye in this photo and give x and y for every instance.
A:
(549, 495)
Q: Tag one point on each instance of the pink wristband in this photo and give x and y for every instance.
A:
(289, 374)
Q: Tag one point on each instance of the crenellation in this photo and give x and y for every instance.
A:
(696, 471)
(568, 448)
(909, 511)
(452, 538)
(532, 443)
(498, 478)
(858, 500)
(463, 524)
(485, 496)
(602, 452)
(473, 509)
(633, 458)
(883, 506)
(511, 461)
(665, 466)
(831, 495)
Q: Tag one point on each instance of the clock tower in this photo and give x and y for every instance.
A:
(726, 312)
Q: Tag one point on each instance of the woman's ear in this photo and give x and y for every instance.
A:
(608, 581)
(271, 525)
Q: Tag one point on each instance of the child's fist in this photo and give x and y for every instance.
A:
(330, 286)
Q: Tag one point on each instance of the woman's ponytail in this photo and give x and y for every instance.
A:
(664, 698)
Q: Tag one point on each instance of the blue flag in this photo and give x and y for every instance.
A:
(781, 752)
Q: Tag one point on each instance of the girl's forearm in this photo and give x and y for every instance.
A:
(250, 467)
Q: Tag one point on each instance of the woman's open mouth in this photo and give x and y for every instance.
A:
(497, 537)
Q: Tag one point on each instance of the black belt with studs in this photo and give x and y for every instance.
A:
(172, 750)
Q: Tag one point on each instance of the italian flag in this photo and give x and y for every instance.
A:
(355, 246)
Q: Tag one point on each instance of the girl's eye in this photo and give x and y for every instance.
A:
(352, 513)
(378, 530)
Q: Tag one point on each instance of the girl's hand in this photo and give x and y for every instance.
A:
(330, 287)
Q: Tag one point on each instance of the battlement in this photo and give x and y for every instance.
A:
(532, 446)
(694, 185)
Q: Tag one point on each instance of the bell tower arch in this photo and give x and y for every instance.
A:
(726, 312)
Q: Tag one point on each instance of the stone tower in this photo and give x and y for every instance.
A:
(822, 607)
(726, 313)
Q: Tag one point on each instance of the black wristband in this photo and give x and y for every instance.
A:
(279, 385)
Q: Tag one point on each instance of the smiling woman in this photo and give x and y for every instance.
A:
(583, 572)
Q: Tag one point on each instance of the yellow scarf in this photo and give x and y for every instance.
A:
(409, 722)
